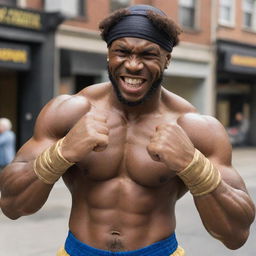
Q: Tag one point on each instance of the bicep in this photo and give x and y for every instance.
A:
(209, 136)
(219, 151)
(32, 148)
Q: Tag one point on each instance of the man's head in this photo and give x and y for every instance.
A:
(5, 125)
(140, 40)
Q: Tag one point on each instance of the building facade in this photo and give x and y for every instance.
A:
(27, 46)
(83, 54)
(236, 63)
(213, 67)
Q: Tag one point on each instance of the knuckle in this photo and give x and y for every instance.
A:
(150, 147)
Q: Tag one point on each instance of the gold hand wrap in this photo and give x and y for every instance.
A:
(200, 176)
(50, 165)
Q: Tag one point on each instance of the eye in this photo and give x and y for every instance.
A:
(149, 54)
(121, 52)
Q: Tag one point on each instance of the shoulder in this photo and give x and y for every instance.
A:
(176, 103)
(207, 134)
(96, 92)
(62, 112)
(59, 115)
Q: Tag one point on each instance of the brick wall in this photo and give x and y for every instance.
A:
(96, 11)
(35, 4)
(202, 35)
(237, 32)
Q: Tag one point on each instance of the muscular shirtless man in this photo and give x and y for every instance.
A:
(127, 151)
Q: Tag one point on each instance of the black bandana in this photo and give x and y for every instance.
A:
(137, 24)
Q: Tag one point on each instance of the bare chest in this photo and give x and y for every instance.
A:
(127, 155)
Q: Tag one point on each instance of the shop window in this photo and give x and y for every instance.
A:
(249, 14)
(227, 12)
(118, 4)
(8, 2)
(69, 8)
(187, 13)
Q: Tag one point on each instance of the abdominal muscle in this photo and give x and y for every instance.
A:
(120, 215)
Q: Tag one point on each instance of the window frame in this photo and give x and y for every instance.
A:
(114, 9)
(195, 21)
(231, 22)
(80, 10)
(253, 25)
(11, 5)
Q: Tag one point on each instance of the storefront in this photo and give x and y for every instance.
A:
(236, 85)
(190, 75)
(27, 64)
(82, 58)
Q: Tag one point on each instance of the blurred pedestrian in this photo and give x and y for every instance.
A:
(7, 142)
(238, 132)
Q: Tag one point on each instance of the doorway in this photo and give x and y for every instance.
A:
(8, 96)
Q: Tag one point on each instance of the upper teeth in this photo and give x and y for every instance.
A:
(132, 81)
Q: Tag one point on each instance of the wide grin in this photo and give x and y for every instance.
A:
(135, 82)
(132, 85)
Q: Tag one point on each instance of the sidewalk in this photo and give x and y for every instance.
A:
(43, 233)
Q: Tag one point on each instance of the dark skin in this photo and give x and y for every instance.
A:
(124, 184)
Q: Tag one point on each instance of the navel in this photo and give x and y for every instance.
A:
(115, 244)
(114, 232)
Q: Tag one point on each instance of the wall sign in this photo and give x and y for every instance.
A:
(14, 56)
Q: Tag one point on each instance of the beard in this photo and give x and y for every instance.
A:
(155, 85)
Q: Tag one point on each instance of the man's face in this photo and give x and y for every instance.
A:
(136, 68)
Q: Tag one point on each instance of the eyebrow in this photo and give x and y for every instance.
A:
(150, 48)
(121, 46)
(146, 49)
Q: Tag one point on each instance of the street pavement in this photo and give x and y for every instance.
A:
(42, 233)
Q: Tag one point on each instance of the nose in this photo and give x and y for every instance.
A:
(133, 65)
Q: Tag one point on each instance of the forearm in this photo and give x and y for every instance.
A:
(225, 208)
(28, 185)
(22, 194)
(227, 214)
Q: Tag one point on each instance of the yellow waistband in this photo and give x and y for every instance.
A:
(62, 252)
(178, 252)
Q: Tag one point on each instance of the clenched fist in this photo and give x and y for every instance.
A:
(171, 145)
(89, 133)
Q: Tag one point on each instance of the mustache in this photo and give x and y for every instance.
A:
(155, 85)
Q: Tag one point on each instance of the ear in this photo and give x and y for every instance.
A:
(108, 53)
(168, 60)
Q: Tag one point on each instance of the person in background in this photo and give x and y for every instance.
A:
(7, 142)
(238, 133)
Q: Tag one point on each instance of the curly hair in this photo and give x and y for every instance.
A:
(162, 23)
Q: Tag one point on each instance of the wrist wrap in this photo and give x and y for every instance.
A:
(50, 165)
(200, 176)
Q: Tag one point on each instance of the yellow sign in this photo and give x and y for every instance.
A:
(246, 61)
(13, 55)
(20, 18)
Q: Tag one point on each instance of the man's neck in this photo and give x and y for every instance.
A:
(150, 106)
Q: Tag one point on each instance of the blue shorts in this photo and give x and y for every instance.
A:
(162, 248)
